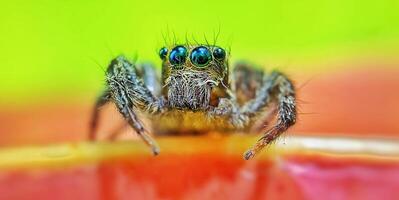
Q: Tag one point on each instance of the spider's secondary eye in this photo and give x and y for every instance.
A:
(200, 56)
(219, 53)
(162, 53)
(178, 55)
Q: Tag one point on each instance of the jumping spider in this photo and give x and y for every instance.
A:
(195, 95)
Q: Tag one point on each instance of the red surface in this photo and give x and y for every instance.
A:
(209, 177)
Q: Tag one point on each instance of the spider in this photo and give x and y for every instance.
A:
(197, 94)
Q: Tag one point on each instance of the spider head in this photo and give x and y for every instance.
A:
(190, 74)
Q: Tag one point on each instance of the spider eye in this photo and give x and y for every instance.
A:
(200, 56)
(219, 53)
(162, 53)
(178, 55)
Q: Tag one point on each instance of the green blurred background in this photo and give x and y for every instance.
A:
(54, 49)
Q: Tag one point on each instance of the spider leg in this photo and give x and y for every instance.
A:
(247, 79)
(274, 87)
(133, 121)
(148, 74)
(130, 94)
(104, 98)
(279, 88)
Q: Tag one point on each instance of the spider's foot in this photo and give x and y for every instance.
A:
(150, 142)
(254, 150)
(249, 154)
(155, 150)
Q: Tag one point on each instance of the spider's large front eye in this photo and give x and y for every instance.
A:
(219, 53)
(178, 55)
(163, 52)
(200, 56)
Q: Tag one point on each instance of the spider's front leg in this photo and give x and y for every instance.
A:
(149, 76)
(274, 87)
(129, 93)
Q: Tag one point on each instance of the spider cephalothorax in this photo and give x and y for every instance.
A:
(191, 75)
(197, 94)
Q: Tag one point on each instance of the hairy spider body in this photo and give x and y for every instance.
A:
(196, 94)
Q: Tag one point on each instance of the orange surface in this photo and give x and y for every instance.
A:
(358, 102)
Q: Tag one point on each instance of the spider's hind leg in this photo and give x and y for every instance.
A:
(104, 98)
(276, 87)
(149, 75)
(247, 80)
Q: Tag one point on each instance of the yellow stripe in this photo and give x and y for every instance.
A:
(61, 155)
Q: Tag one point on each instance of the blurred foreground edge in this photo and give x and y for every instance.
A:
(204, 168)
